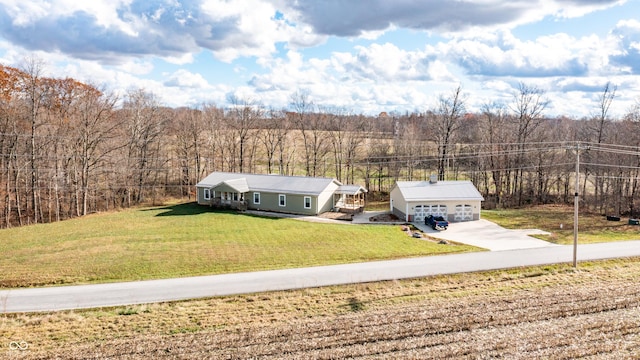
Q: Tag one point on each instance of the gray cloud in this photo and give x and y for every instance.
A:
(351, 18)
(161, 29)
(480, 66)
(581, 85)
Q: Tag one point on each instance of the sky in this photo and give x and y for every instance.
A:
(359, 56)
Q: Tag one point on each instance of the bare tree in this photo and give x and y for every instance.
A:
(598, 129)
(144, 125)
(242, 120)
(9, 142)
(354, 139)
(408, 145)
(212, 117)
(494, 136)
(273, 135)
(94, 132)
(188, 128)
(377, 164)
(448, 114)
(528, 105)
(286, 147)
(302, 108)
(318, 144)
(337, 133)
(35, 93)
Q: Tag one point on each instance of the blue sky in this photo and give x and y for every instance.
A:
(361, 56)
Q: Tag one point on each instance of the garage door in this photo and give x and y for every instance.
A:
(421, 211)
(463, 213)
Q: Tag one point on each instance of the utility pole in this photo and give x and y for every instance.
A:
(576, 202)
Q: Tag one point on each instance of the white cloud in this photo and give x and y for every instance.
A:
(574, 9)
(384, 62)
(180, 60)
(183, 78)
(104, 12)
(276, 47)
(136, 67)
(25, 12)
(552, 55)
(255, 31)
(439, 71)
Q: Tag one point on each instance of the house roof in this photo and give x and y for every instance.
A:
(269, 183)
(239, 184)
(441, 190)
(350, 189)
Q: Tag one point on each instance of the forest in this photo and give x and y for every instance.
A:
(69, 148)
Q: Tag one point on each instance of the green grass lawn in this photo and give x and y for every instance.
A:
(558, 220)
(187, 239)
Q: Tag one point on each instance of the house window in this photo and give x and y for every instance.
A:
(207, 194)
(235, 196)
(307, 202)
(256, 198)
(282, 200)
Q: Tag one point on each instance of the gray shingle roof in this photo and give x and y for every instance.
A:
(441, 190)
(270, 183)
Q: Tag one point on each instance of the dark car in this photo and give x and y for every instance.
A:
(436, 222)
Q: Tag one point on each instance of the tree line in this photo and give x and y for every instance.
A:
(68, 148)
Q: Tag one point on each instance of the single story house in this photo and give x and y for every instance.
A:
(454, 200)
(278, 193)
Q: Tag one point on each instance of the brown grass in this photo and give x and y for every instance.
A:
(558, 221)
(548, 312)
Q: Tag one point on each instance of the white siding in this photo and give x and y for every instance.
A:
(325, 198)
(399, 203)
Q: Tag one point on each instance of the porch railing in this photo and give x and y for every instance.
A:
(229, 204)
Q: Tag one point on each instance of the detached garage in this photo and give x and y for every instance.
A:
(454, 200)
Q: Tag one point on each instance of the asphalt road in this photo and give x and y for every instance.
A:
(139, 292)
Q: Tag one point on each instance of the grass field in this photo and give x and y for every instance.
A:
(546, 312)
(558, 220)
(550, 312)
(186, 239)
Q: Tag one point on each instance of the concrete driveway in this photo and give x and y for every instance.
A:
(481, 233)
(488, 235)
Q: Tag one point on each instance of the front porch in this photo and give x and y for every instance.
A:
(349, 199)
(221, 203)
(230, 194)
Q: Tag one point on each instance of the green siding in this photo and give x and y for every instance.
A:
(294, 203)
(200, 196)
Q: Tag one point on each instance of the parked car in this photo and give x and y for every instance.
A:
(436, 222)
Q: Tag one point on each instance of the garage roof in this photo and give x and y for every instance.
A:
(441, 190)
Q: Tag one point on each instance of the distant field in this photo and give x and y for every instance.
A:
(547, 312)
(558, 220)
(186, 239)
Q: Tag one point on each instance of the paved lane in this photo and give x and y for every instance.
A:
(138, 292)
(486, 234)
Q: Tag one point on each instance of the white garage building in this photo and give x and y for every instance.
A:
(454, 200)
